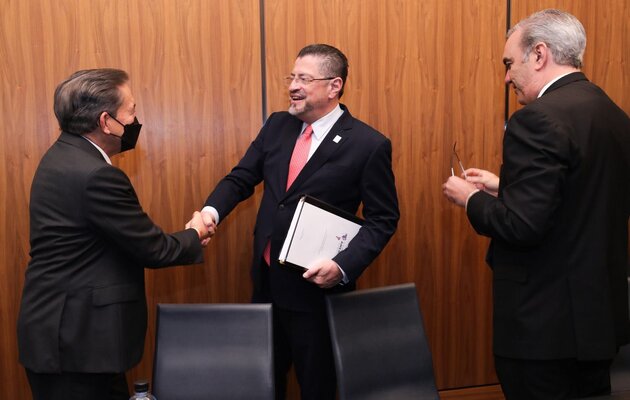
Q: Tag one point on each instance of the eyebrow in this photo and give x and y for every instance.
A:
(507, 60)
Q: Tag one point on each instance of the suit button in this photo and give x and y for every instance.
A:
(281, 207)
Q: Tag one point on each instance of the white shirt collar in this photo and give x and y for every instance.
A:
(99, 149)
(322, 126)
(551, 82)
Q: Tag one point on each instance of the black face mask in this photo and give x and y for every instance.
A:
(130, 135)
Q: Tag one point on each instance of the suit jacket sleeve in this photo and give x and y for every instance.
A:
(380, 211)
(240, 183)
(536, 159)
(112, 208)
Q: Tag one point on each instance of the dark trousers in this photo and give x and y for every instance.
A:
(78, 386)
(552, 379)
(303, 339)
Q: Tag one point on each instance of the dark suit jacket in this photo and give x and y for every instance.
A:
(83, 306)
(355, 170)
(559, 227)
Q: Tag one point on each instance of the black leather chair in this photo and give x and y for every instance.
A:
(213, 351)
(380, 347)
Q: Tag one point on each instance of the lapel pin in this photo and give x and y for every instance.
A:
(337, 139)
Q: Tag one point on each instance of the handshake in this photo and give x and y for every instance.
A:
(204, 224)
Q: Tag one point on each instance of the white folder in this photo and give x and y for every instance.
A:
(317, 231)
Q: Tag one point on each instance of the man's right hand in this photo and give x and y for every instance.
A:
(208, 220)
(204, 230)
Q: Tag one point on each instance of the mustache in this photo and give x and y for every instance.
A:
(297, 96)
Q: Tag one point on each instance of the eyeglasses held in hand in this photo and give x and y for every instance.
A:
(304, 79)
(454, 157)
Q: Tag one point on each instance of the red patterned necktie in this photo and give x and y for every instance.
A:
(298, 161)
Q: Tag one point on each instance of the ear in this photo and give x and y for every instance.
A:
(335, 87)
(102, 122)
(541, 53)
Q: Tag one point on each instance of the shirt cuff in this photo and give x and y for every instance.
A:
(213, 211)
(344, 279)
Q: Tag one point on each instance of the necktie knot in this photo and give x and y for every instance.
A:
(308, 132)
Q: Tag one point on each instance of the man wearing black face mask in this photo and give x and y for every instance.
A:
(130, 135)
(83, 313)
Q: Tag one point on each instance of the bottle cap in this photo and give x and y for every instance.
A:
(141, 386)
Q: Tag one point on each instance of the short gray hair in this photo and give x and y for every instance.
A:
(559, 30)
(80, 99)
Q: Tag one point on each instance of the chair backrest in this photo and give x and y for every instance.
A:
(213, 351)
(620, 368)
(380, 347)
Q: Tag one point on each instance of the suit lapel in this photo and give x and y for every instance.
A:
(338, 136)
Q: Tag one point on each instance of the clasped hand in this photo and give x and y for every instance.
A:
(204, 225)
(458, 189)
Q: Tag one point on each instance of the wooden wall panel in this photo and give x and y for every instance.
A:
(426, 74)
(195, 74)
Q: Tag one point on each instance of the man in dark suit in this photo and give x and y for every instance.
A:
(83, 315)
(349, 163)
(558, 219)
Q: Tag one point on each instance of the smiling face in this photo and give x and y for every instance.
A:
(311, 101)
(520, 70)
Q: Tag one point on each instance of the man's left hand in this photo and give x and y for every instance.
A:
(457, 190)
(323, 273)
